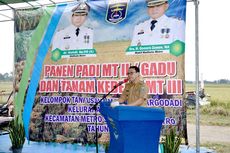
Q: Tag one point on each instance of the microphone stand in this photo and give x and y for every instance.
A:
(95, 109)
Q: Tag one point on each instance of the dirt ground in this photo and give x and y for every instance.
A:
(211, 134)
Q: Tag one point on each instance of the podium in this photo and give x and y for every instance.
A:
(133, 129)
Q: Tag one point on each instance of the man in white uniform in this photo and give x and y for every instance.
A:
(159, 29)
(76, 36)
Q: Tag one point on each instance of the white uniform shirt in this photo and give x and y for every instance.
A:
(166, 31)
(68, 40)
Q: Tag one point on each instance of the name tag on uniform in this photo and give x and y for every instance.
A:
(140, 33)
(68, 37)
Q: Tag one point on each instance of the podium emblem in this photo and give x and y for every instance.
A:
(115, 133)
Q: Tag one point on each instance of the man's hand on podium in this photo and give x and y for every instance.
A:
(114, 104)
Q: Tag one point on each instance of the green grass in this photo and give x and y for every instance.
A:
(5, 87)
(207, 119)
(219, 93)
(218, 112)
(218, 147)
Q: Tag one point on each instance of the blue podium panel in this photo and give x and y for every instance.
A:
(133, 129)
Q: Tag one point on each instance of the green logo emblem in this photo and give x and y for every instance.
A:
(177, 48)
(56, 55)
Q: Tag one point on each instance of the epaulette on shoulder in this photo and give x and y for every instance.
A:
(140, 23)
(89, 28)
(128, 84)
(142, 82)
(60, 30)
(177, 18)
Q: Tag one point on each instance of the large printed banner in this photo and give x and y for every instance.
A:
(68, 56)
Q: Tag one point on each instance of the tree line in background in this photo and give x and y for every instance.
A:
(6, 77)
(220, 81)
(9, 77)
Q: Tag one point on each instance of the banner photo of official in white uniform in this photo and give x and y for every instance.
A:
(76, 38)
(160, 33)
(75, 53)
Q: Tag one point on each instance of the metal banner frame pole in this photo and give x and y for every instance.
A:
(196, 3)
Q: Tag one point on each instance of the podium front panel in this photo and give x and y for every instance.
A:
(133, 129)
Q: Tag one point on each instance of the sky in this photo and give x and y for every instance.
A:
(214, 32)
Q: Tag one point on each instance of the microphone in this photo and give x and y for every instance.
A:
(121, 82)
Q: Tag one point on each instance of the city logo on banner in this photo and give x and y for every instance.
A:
(117, 10)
